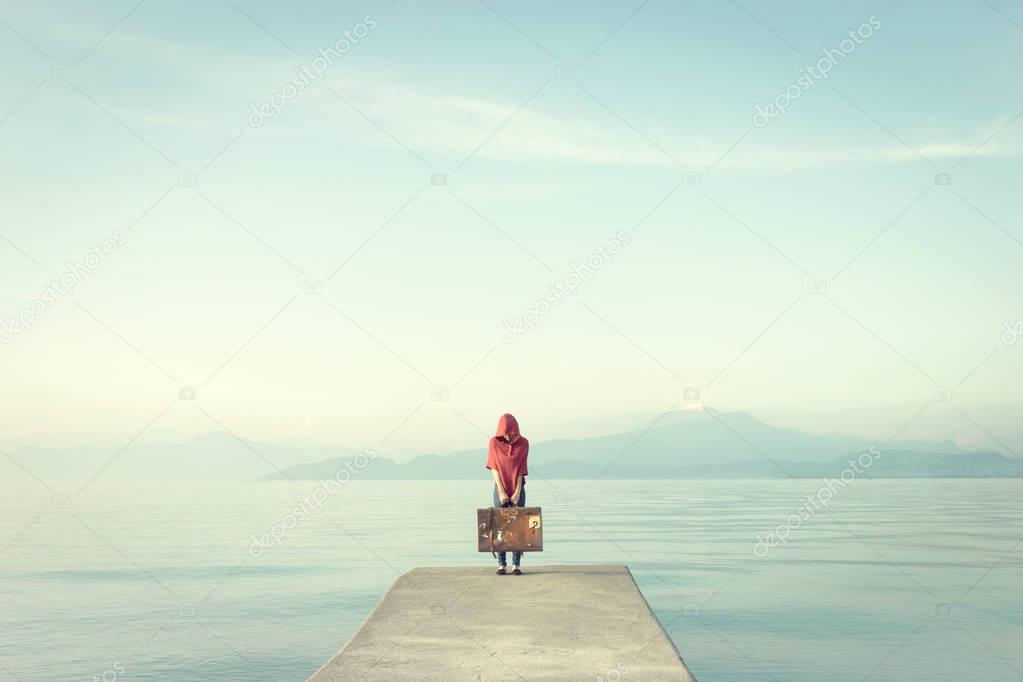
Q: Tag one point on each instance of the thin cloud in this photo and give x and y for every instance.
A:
(453, 124)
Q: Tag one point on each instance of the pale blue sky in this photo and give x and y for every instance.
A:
(712, 291)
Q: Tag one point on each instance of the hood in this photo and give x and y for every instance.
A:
(507, 425)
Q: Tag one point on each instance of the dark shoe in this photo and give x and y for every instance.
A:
(516, 571)
(500, 570)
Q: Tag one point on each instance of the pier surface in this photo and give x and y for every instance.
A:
(551, 623)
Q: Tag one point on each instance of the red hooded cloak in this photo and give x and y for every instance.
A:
(508, 459)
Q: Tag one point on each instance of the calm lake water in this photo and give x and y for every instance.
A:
(896, 581)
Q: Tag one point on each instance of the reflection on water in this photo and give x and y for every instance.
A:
(896, 580)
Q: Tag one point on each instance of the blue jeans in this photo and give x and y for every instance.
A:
(502, 557)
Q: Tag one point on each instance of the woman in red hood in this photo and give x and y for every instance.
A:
(506, 459)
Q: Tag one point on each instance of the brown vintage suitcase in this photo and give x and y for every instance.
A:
(509, 529)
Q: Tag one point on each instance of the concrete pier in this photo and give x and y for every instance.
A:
(551, 623)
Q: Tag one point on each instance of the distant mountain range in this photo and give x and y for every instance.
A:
(212, 456)
(697, 443)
